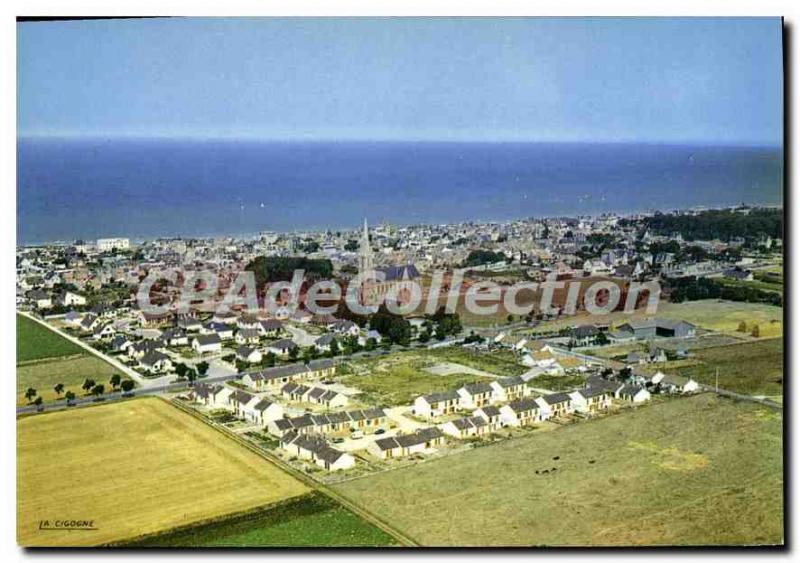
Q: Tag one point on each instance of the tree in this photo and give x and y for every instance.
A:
(371, 343)
(98, 390)
(87, 384)
(30, 394)
(127, 386)
(334, 347)
(191, 375)
(293, 353)
(69, 396)
(181, 369)
(269, 359)
(202, 368)
(115, 381)
(59, 388)
(742, 327)
(755, 332)
(38, 402)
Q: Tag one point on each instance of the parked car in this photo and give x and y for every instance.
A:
(380, 431)
(357, 435)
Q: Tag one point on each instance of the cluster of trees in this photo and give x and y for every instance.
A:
(694, 289)
(268, 269)
(480, 257)
(393, 328)
(440, 325)
(191, 373)
(90, 386)
(720, 224)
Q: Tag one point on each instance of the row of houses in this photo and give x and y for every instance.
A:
(469, 396)
(366, 420)
(275, 378)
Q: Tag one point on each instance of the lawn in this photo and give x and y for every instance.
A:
(44, 375)
(399, 378)
(35, 342)
(754, 368)
(312, 520)
(690, 471)
(133, 468)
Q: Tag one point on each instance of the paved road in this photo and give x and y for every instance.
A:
(118, 395)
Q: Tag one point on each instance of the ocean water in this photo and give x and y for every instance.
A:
(69, 189)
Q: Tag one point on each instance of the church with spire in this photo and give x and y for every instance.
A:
(380, 282)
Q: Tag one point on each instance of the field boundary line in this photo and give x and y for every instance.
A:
(50, 359)
(302, 477)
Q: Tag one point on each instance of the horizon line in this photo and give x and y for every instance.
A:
(354, 140)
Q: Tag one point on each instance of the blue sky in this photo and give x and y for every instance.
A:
(647, 80)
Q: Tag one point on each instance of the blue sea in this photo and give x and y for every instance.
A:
(87, 188)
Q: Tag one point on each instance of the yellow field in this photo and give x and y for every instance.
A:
(132, 468)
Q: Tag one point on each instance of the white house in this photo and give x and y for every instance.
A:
(156, 362)
(216, 396)
(207, 343)
(248, 336)
(317, 450)
(491, 414)
(634, 394)
(70, 298)
(421, 441)
(466, 427)
(327, 398)
(677, 383)
(507, 389)
(437, 404)
(555, 405)
(248, 355)
(475, 395)
(591, 399)
(281, 348)
(261, 411)
(521, 412)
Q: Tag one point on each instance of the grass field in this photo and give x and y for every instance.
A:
(133, 468)
(709, 314)
(72, 371)
(35, 342)
(498, 362)
(754, 368)
(311, 520)
(399, 378)
(691, 471)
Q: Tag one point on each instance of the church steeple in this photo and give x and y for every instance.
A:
(365, 262)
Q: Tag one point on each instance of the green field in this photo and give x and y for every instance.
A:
(44, 375)
(312, 520)
(699, 470)
(35, 342)
(499, 362)
(398, 379)
(754, 368)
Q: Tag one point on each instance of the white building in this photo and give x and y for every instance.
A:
(107, 244)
